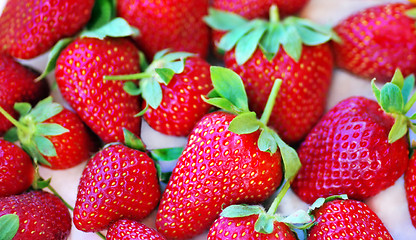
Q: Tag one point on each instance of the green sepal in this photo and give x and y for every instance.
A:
(102, 12)
(290, 158)
(313, 34)
(143, 111)
(132, 89)
(45, 146)
(34, 152)
(174, 56)
(53, 56)
(298, 217)
(321, 201)
(166, 74)
(264, 224)
(411, 13)
(143, 62)
(151, 92)
(166, 154)
(236, 211)
(223, 20)
(162, 176)
(292, 42)
(408, 85)
(310, 37)
(176, 66)
(270, 42)
(118, 27)
(50, 129)
(230, 39)
(223, 104)
(9, 225)
(45, 109)
(376, 90)
(399, 128)
(132, 141)
(22, 108)
(11, 135)
(266, 141)
(413, 117)
(244, 123)
(391, 99)
(247, 45)
(398, 79)
(41, 184)
(160, 54)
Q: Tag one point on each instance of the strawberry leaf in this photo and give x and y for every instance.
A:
(411, 13)
(174, 56)
(50, 129)
(132, 141)
(391, 99)
(264, 223)
(399, 128)
(408, 85)
(45, 146)
(41, 184)
(118, 27)
(244, 123)
(45, 110)
(266, 141)
(236, 211)
(247, 45)
(176, 66)
(310, 37)
(270, 42)
(166, 154)
(143, 111)
(22, 108)
(143, 62)
(132, 89)
(9, 224)
(161, 53)
(11, 135)
(230, 39)
(398, 79)
(151, 92)
(165, 74)
(298, 217)
(292, 42)
(223, 104)
(321, 201)
(102, 12)
(290, 158)
(222, 20)
(376, 90)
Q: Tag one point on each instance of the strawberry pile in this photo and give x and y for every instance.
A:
(207, 119)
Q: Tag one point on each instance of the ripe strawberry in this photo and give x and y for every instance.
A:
(357, 148)
(373, 41)
(103, 105)
(118, 182)
(16, 169)
(295, 51)
(347, 219)
(41, 215)
(17, 85)
(410, 186)
(30, 28)
(129, 229)
(168, 24)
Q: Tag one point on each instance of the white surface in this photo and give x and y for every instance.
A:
(390, 205)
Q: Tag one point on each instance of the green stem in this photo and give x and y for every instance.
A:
(129, 76)
(270, 102)
(410, 103)
(100, 235)
(11, 119)
(273, 208)
(274, 14)
(59, 196)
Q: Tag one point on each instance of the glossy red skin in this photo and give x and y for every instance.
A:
(410, 186)
(41, 215)
(129, 229)
(377, 41)
(118, 182)
(242, 228)
(30, 28)
(348, 152)
(182, 105)
(347, 219)
(17, 85)
(72, 147)
(303, 94)
(217, 168)
(16, 169)
(173, 24)
(103, 105)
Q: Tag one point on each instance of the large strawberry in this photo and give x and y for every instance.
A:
(17, 85)
(129, 229)
(41, 216)
(168, 24)
(359, 147)
(30, 28)
(377, 41)
(410, 186)
(118, 182)
(228, 159)
(172, 86)
(294, 50)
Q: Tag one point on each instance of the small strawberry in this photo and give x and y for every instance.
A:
(30, 28)
(172, 86)
(177, 25)
(16, 169)
(410, 186)
(17, 84)
(118, 182)
(228, 159)
(294, 50)
(41, 215)
(129, 229)
(359, 147)
(377, 41)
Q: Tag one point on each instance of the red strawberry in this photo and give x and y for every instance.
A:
(16, 169)
(103, 105)
(177, 25)
(118, 182)
(129, 229)
(377, 41)
(347, 219)
(17, 85)
(41, 215)
(410, 185)
(355, 149)
(30, 28)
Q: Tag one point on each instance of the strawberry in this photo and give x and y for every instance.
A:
(295, 50)
(359, 147)
(103, 105)
(41, 215)
(172, 86)
(373, 41)
(219, 167)
(129, 229)
(16, 168)
(410, 186)
(118, 182)
(17, 85)
(30, 28)
(168, 24)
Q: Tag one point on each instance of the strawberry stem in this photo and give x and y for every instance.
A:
(59, 196)
(270, 102)
(129, 76)
(273, 208)
(274, 14)
(11, 119)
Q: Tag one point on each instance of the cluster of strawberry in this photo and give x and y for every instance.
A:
(235, 158)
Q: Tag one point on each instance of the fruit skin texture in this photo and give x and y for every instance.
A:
(30, 28)
(118, 182)
(243, 228)
(41, 215)
(16, 168)
(182, 106)
(217, 168)
(302, 96)
(347, 219)
(348, 152)
(17, 85)
(102, 104)
(410, 186)
(377, 41)
(128, 229)
(177, 25)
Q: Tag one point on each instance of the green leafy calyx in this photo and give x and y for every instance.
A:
(9, 224)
